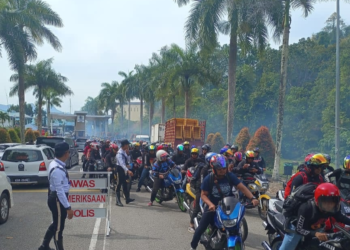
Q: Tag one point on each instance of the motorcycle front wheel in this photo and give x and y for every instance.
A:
(263, 209)
(236, 247)
(180, 201)
(244, 229)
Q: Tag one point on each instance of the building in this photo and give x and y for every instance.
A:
(134, 111)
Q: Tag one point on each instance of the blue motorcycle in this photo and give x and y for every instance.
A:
(172, 188)
(230, 228)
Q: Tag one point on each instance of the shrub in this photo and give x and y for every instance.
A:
(217, 143)
(4, 136)
(210, 139)
(263, 140)
(18, 132)
(243, 139)
(29, 135)
(36, 133)
(13, 135)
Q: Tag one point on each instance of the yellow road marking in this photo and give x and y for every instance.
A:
(45, 191)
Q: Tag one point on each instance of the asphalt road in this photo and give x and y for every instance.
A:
(134, 226)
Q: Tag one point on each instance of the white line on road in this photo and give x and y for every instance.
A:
(110, 216)
(94, 236)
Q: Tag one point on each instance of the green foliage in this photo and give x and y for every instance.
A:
(263, 140)
(13, 135)
(4, 136)
(29, 135)
(243, 139)
(217, 142)
(18, 131)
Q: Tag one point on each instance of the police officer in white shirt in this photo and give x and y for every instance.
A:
(58, 197)
(123, 171)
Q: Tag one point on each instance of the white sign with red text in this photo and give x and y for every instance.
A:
(90, 213)
(88, 183)
(87, 198)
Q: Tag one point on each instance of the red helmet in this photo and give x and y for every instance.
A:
(327, 192)
(160, 147)
(108, 141)
(307, 158)
(113, 147)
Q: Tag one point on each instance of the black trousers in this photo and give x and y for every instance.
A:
(207, 218)
(59, 215)
(196, 205)
(156, 185)
(122, 181)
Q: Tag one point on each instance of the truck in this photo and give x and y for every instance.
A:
(178, 130)
(157, 133)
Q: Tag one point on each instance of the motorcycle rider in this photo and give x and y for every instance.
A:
(123, 172)
(312, 214)
(248, 165)
(105, 148)
(179, 158)
(110, 159)
(327, 168)
(85, 153)
(237, 158)
(342, 177)
(205, 149)
(161, 166)
(135, 153)
(187, 149)
(191, 162)
(234, 149)
(147, 160)
(310, 173)
(259, 159)
(212, 194)
(94, 154)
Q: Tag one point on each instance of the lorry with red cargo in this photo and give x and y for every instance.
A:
(178, 130)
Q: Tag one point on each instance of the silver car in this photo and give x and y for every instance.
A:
(81, 143)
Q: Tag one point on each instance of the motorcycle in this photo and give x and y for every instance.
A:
(190, 196)
(229, 223)
(257, 185)
(172, 188)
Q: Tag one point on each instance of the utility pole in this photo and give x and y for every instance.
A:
(337, 91)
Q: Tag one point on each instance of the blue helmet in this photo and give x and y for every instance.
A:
(218, 162)
(208, 156)
(223, 150)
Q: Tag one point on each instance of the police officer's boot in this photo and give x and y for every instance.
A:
(127, 197)
(59, 244)
(46, 242)
(119, 203)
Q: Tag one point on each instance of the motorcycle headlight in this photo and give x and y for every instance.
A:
(264, 187)
(252, 187)
(229, 223)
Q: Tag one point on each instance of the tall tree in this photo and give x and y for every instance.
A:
(307, 7)
(245, 24)
(128, 92)
(23, 23)
(108, 96)
(4, 117)
(42, 78)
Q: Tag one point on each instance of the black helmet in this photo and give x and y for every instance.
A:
(328, 157)
(234, 147)
(206, 147)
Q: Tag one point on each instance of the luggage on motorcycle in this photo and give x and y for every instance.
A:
(298, 196)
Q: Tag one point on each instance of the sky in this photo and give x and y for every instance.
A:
(102, 37)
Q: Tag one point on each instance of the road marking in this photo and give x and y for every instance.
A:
(110, 216)
(45, 191)
(94, 236)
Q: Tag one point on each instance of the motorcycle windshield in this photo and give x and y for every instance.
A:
(175, 173)
(230, 208)
(262, 177)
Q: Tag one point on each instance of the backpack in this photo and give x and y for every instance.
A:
(288, 188)
(197, 172)
(298, 196)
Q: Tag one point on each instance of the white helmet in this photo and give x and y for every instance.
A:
(160, 154)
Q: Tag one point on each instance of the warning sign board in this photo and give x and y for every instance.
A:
(87, 198)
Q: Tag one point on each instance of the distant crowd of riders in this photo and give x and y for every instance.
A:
(134, 162)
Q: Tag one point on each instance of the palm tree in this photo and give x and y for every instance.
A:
(307, 7)
(139, 86)
(43, 78)
(128, 92)
(245, 25)
(91, 106)
(108, 96)
(23, 23)
(4, 117)
(52, 98)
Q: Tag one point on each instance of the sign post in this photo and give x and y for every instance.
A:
(101, 199)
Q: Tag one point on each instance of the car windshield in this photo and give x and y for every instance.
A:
(51, 142)
(19, 155)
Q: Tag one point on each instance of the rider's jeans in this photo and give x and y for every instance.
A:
(207, 218)
(144, 175)
(290, 240)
